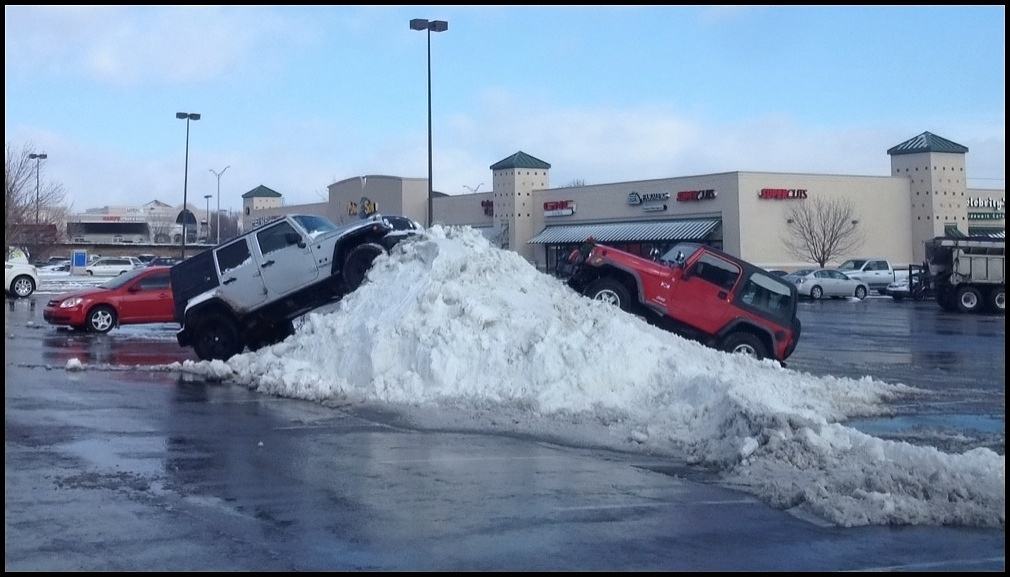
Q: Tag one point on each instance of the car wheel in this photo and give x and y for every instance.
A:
(745, 343)
(23, 286)
(217, 338)
(357, 263)
(968, 299)
(610, 291)
(898, 298)
(101, 319)
(860, 292)
(816, 292)
(997, 300)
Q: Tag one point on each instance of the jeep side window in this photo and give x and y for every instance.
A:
(275, 238)
(232, 256)
(767, 294)
(716, 271)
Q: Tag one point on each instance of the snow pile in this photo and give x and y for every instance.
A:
(450, 321)
(74, 364)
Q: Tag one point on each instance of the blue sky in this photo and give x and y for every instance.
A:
(296, 98)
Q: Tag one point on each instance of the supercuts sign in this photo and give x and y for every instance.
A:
(783, 193)
(559, 208)
(696, 195)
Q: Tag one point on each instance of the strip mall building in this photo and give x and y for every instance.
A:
(744, 213)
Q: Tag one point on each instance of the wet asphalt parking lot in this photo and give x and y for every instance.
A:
(131, 469)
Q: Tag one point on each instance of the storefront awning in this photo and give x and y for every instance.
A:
(659, 230)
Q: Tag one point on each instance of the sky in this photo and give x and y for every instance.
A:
(296, 98)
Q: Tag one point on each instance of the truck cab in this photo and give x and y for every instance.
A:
(874, 272)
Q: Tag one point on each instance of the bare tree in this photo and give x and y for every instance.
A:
(27, 209)
(229, 225)
(574, 183)
(821, 230)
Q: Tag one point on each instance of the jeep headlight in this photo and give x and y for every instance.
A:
(71, 302)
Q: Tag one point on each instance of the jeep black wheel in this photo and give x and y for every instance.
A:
(357, 263)
(745, 343)
(217, 337)
(610, 291)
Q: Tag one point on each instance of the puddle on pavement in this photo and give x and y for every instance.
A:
(903, 424)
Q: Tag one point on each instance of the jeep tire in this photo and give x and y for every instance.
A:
(610, 291)
(746, 343)
(357, 263)
(216, 336)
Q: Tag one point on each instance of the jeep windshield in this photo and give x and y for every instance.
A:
(315, 225)
(683, 249)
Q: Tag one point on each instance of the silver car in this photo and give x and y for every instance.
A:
(825, 282)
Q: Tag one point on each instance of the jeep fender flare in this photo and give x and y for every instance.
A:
(742, 324)
(344, 246)
(213, 304)
(636, 277)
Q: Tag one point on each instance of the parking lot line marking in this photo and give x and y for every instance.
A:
(658, 505)
(934, 564)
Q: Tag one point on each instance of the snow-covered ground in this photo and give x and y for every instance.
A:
(61, 282)
(449, 327)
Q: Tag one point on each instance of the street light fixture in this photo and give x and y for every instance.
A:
(185, 179)
(430, 26)
(206, 214)
(37, 158)
(218, 175)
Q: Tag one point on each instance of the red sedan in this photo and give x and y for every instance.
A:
(139, 296)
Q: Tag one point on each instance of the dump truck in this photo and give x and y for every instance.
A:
(967, 274)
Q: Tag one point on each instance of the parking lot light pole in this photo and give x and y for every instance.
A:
(206, 214)
(37, 158)
(185, 178)
(430, 26)
(218, 217)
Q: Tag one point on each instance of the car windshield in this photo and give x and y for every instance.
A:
(315, 225)
(123, 279)
(852, 265)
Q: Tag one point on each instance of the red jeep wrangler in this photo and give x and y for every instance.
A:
(696, 291)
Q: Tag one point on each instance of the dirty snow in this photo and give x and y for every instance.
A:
(450, 323)
(74, 364)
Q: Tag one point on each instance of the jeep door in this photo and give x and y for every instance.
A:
(701, 296)
(241, 283)
(285, 259)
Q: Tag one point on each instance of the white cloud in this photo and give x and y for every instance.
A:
(149, 45)
(299, 157)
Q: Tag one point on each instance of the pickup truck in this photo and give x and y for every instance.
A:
(698, 292)
(874, 272)
(247, 291)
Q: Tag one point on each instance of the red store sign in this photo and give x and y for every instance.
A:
(696, 195)
(783, 193)
(559, 208)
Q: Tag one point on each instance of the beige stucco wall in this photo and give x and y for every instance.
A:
(881, 205)
(463, 209)
(603, 203)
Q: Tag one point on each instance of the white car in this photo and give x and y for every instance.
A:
(112, 266)
(20, 279)
(820, 283)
